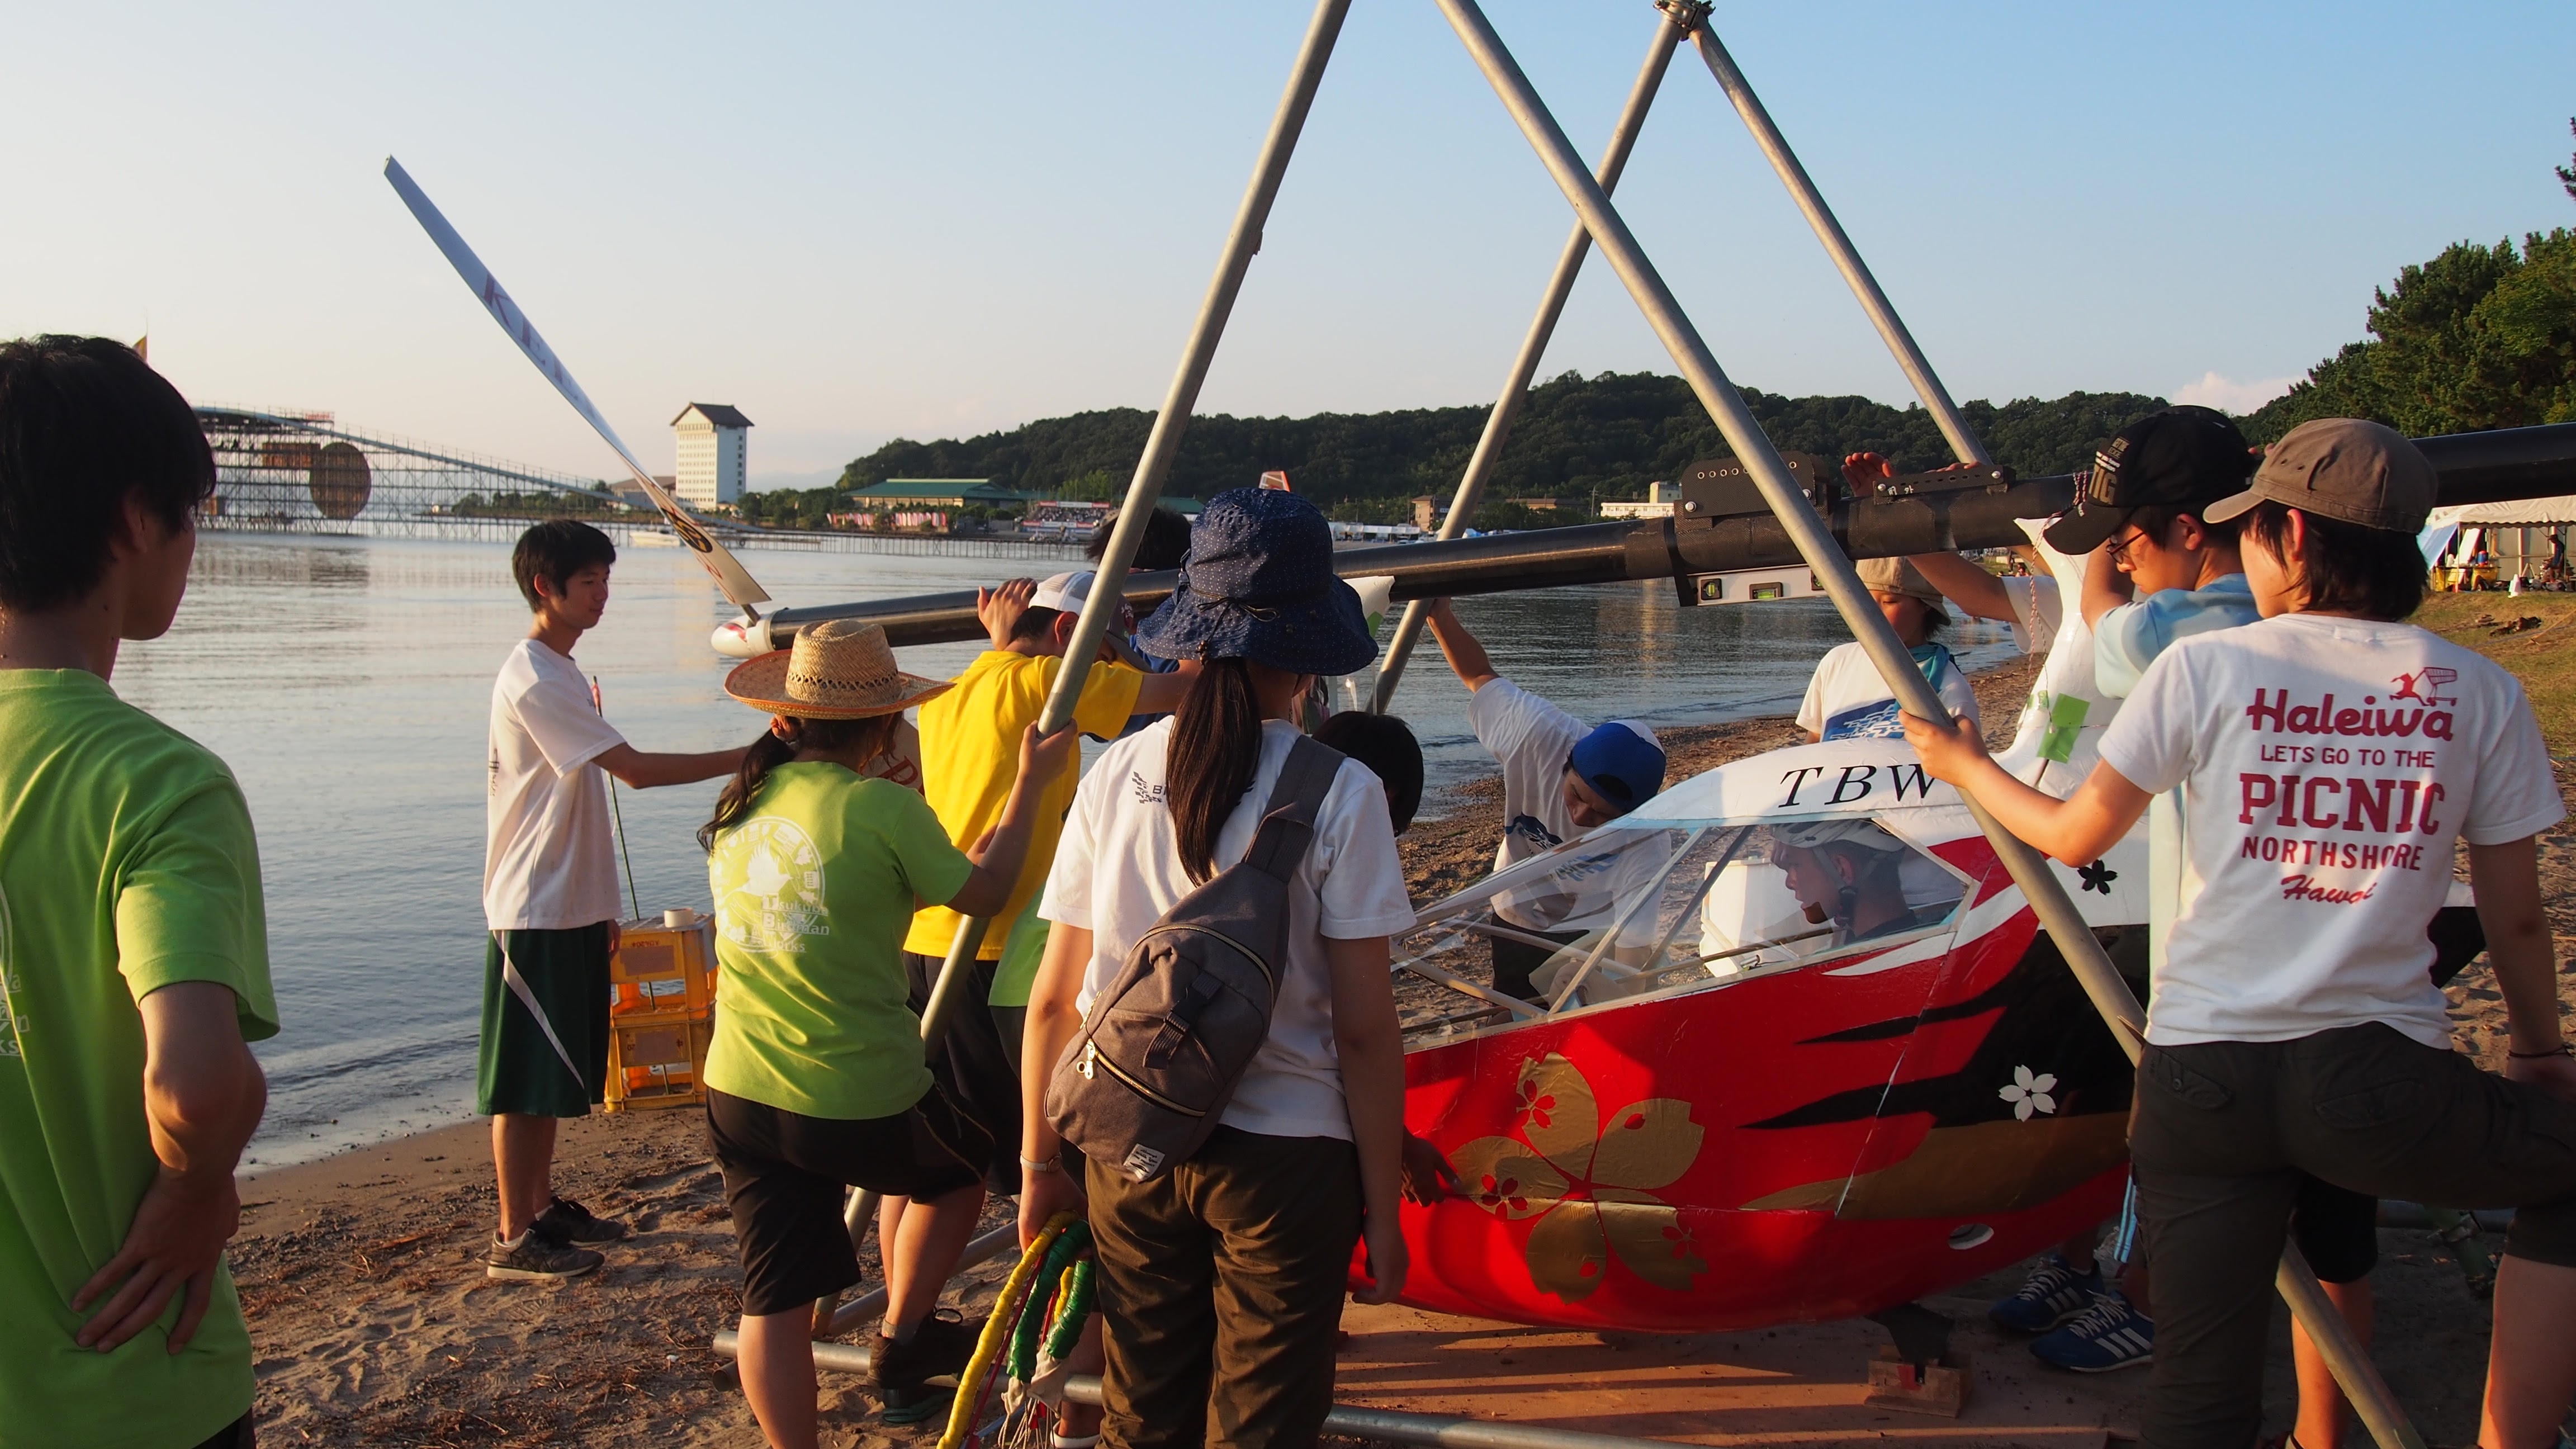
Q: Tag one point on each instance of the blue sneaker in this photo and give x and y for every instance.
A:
(2109, 1335)
(2051, 1295)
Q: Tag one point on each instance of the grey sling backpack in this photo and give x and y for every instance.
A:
(1157, 1059)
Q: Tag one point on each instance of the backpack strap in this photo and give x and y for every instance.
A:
(1288, 822)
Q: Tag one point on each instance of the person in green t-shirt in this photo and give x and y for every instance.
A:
(816, 1078)
(133, 946)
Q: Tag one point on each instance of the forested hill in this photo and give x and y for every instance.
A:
(2482, 336)
(1578, 437)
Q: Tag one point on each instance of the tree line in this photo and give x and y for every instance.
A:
(2481, 336)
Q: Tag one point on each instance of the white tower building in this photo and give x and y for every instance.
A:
(712, 448)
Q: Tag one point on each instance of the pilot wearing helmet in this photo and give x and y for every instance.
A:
(1849, 872)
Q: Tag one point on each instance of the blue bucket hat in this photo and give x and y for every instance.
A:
(1258, 584)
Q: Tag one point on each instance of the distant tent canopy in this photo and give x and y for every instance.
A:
(2518, 513)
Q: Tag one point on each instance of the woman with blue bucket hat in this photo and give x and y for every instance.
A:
(1222, 1278)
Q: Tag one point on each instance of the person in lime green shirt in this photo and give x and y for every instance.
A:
(133, 945)
(816, 1077)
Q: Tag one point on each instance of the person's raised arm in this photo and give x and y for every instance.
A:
(999, 609)
(203, 1094)
(1047, 1188)
(2507, 878)
(642, 770)
(2076, 830)
(1371, 1047)
(1162, 693)
(1464, 651)
(1005, 848)
(2105, 587)
(1965, 584)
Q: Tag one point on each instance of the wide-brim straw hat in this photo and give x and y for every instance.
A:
(838, 669)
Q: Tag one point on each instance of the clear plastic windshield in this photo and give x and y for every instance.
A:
(1633, 909)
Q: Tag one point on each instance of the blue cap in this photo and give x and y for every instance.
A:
(1621, 762)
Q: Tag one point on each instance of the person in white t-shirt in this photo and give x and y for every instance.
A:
(550, 898)
(1240, 1255)
(2061, 723)
(1560, 779)
(1848, 698)
(2331, 760)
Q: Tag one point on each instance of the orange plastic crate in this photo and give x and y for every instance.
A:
(658, 971)
(657, 1061)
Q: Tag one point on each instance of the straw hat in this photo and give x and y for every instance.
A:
(838, 669)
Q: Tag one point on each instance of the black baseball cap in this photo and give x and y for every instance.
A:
(2183, 457)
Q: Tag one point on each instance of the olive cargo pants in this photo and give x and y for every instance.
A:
(1221, 1288)
(2222, 1131)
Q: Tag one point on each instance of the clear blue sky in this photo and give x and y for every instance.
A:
(867, 221)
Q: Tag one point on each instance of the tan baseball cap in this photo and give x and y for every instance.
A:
(2342, 468)
(1896, 576)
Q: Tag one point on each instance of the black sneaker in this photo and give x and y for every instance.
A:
(538, 1255)
(574, 1223)
(939, 1349)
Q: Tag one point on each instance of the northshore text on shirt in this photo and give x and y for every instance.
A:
(2327, 766)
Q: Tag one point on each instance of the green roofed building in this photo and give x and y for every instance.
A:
(940, 493)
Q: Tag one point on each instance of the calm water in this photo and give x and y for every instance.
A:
(348, 682)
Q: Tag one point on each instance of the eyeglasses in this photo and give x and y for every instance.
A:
(2120, 547)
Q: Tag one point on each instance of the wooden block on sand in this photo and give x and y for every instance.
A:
(1939, 1388)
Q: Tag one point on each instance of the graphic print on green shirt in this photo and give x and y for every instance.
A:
(814, 891)
(127, 864)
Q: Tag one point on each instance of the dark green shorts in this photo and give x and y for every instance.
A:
(553, 1061)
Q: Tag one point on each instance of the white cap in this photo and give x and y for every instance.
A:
(1063, 592)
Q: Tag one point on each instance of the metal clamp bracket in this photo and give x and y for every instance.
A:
(1720, 488)
(1985, 477)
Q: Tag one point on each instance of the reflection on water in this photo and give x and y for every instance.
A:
(348, 683)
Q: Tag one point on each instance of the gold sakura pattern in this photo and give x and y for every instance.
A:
(1590, 1185)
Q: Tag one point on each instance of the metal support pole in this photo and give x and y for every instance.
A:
(1670, 24)
(1391, 1426)
(2047, 895)
(1846, 258)
(1145, 489)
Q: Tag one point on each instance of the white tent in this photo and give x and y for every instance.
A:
(2518, 513)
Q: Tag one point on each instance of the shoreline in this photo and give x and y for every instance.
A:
(1443, 853)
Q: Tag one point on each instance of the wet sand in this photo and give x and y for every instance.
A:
(374, 1325)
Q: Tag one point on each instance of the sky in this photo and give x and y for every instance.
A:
(866, 221)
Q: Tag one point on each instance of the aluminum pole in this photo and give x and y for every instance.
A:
(1108, 587)
(1350, 1421)
(2047, 896)
(1918, 371)
(1669, 28)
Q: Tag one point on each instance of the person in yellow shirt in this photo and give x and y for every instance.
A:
(969, 757)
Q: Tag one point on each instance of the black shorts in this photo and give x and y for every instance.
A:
(975, 1065)
(784, 1173)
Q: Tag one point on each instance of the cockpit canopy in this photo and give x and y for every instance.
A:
(1787, 859)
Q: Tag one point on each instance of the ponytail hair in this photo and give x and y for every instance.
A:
(770, 751)
(1214, 754)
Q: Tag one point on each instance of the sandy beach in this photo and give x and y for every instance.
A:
(360, 1274)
